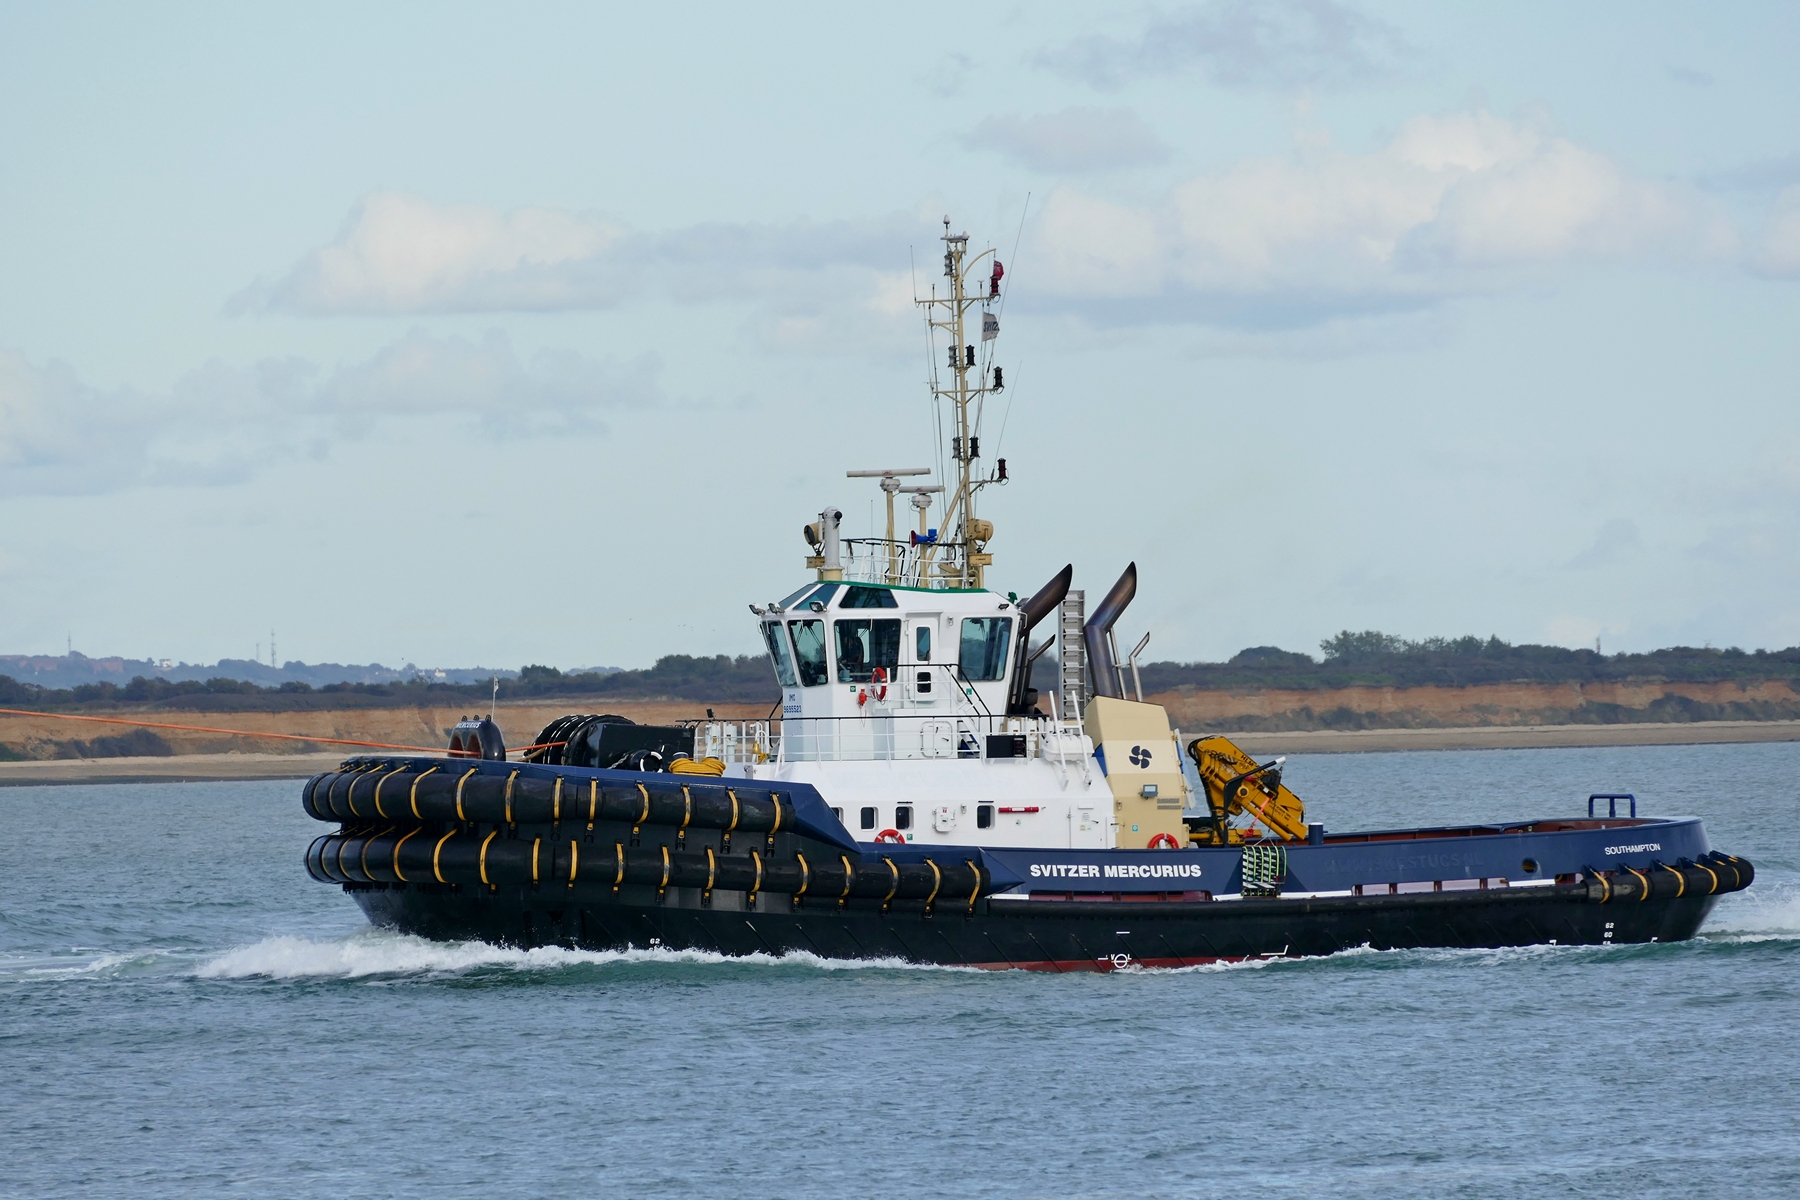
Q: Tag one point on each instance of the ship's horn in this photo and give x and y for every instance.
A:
(1097, 633)
(1047, 600)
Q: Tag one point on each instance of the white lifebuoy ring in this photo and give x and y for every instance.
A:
(878, 680)
(891, 835)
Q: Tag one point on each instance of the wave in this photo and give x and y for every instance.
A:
(78, 963)
(371, 953)
(1768, 912)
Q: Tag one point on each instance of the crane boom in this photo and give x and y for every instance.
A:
(1238, 786)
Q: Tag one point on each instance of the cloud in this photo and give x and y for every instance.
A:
(1241, 44)
(222, 423)
(1617, 539)
(1452, 205)
(1778, 249)
(399, 254)
(1073, 140)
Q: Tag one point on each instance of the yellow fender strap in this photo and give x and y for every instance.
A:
(509, 787)
(435, 851)
(398, 873)
(574, 859)
(893, 887)
(974, 892)
(665, 880)
(556, 801)
(937, 881)
(380, 811)
(620, 876)
(593, 800)
(805, 875)
(849, 876)
(712, 869)
(484, 845)
(535, 843)
(350, 795)
(459, 790)
(415, 792)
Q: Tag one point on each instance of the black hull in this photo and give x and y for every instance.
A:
(1059, 935)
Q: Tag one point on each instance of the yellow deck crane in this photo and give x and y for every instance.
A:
(1237, 786)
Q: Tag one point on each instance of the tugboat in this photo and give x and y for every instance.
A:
(917, 798)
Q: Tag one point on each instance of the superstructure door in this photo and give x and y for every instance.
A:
(920, 658)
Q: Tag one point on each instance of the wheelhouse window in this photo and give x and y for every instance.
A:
(922, 643)
(809, 652)
(868, 597)
(864, 645)
(778, 653)
(983, 650)
(795, 598)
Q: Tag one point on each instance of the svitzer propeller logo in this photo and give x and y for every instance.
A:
(1140, 757)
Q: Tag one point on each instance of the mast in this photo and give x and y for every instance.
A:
(964, 556)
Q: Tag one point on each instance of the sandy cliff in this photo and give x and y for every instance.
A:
(1485, 704)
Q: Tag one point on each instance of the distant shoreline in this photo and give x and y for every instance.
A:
(1518, 737)
(196, 768)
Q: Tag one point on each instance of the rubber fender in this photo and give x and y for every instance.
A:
(1666, 882)
(306, 796)
(456, 857)
(327, 859)
(325, 796)
(413, 855)
(1617, 888)
(314, 859)
(1700, 882)
(376, 861)
(349, 857)
(1742, 872)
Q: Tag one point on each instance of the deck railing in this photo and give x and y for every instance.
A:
(894, 736)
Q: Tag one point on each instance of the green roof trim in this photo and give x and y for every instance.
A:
(900, 587)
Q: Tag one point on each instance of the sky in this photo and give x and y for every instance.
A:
(481, 333)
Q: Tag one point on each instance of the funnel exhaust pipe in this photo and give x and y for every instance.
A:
(1047, 600)
(1097, 633)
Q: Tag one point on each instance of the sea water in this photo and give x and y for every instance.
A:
(184, 1013)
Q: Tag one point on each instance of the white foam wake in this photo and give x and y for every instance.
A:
(1768, 911)
(382, 952)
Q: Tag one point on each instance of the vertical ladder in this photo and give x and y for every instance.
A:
(1071, 654)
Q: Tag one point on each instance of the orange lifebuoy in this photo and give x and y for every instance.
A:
(878, 680)
(1164, 839)
(891, 835)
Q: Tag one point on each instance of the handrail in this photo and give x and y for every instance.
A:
(1612, 802)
